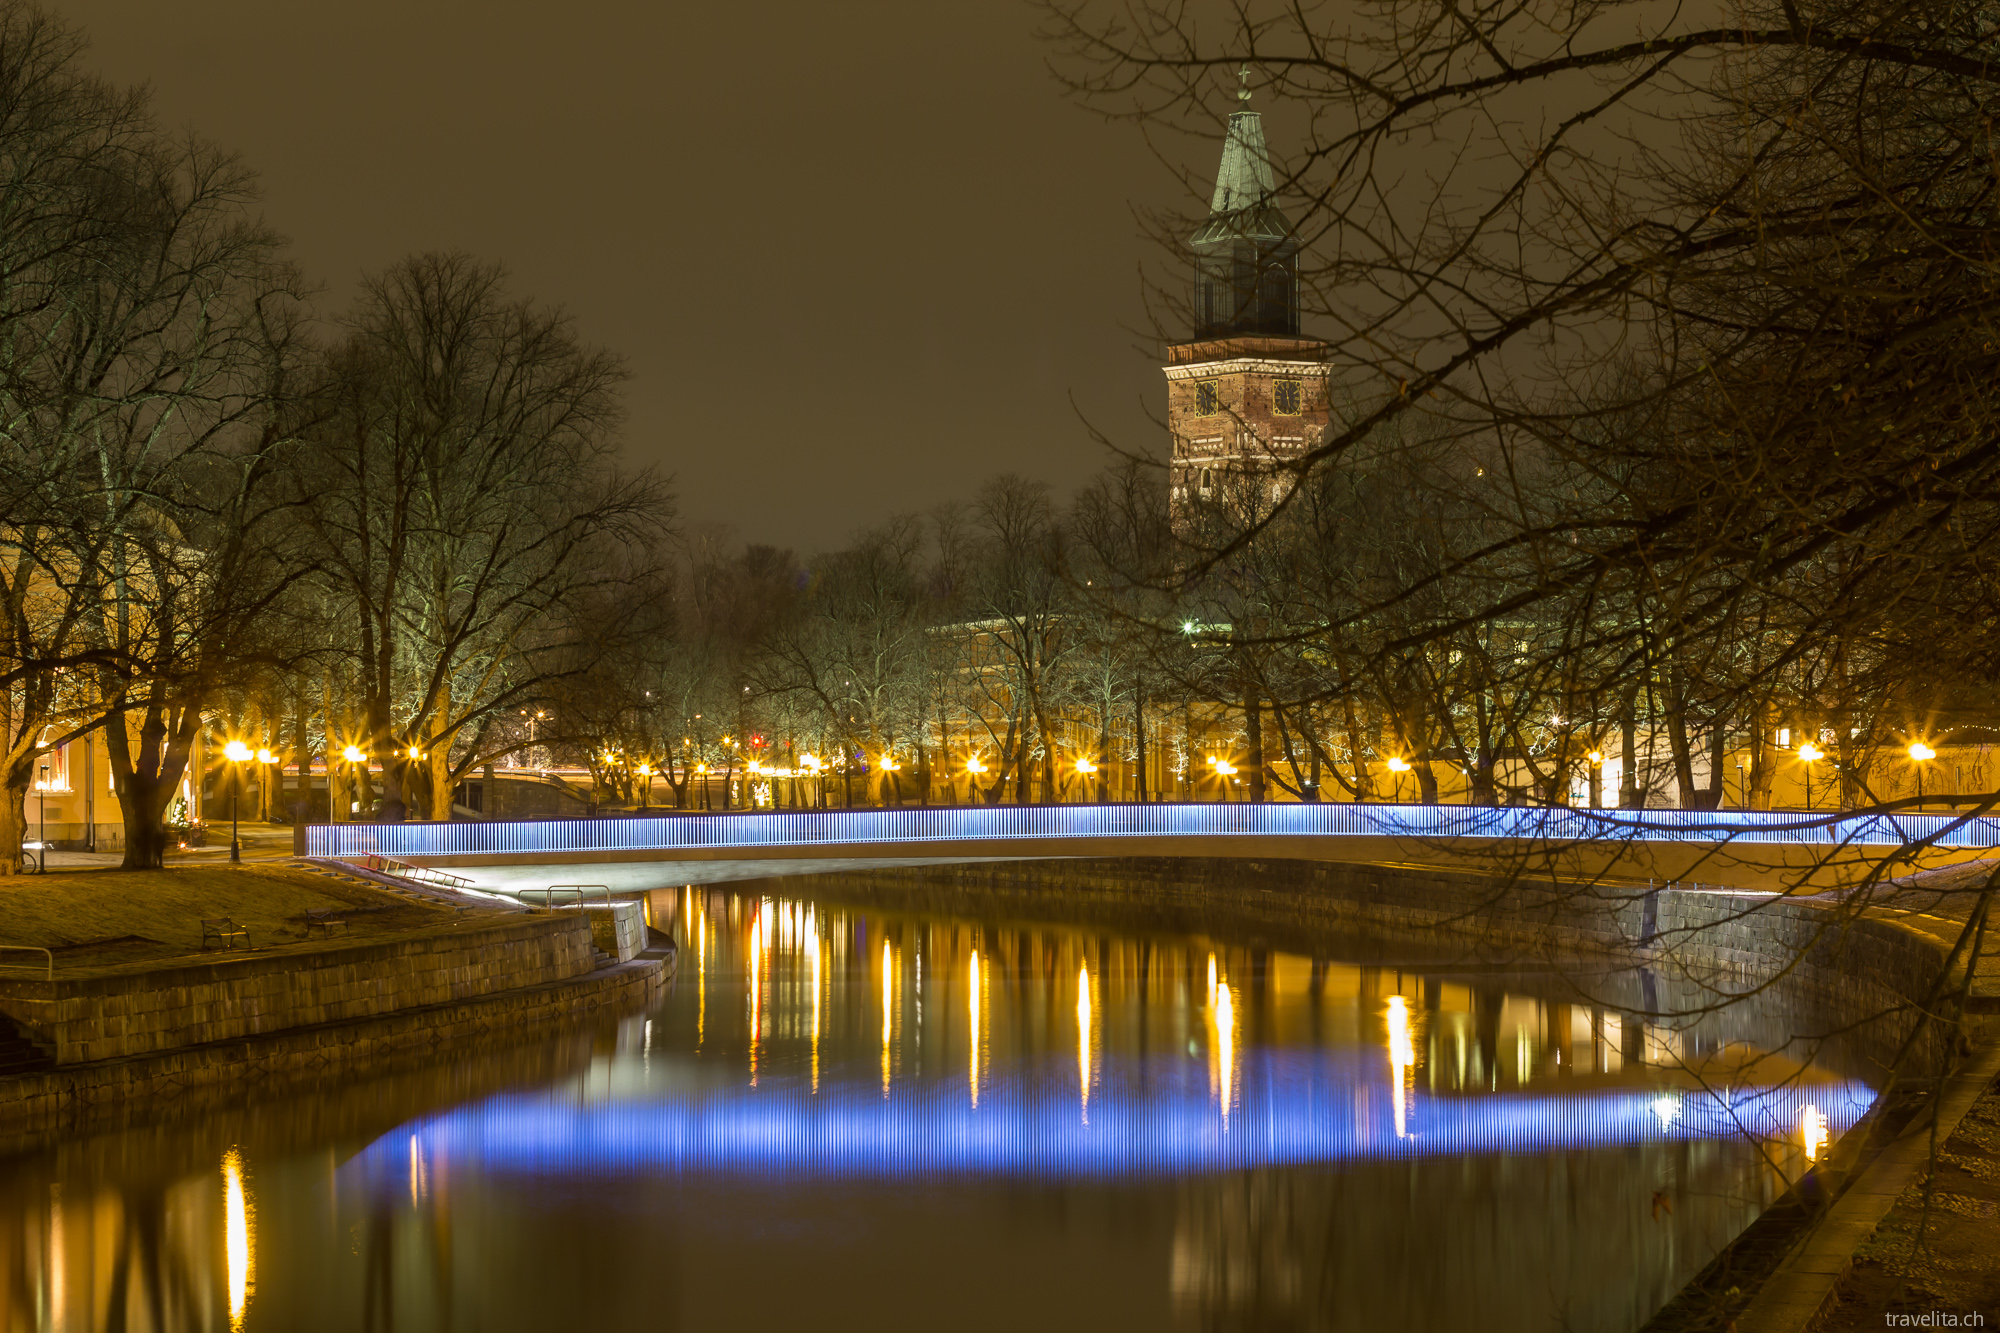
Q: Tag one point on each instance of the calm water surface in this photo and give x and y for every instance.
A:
(841, 1118)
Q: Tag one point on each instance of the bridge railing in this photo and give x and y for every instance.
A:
(750, 831)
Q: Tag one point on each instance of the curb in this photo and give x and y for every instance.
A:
(1794, 1297)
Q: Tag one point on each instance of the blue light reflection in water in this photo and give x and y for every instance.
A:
(1033, 1129)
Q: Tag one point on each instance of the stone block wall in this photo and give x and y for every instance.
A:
(619, 929)
(121, 1016)
(34, 1104)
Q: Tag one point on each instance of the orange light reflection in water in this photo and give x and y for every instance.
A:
(1083, 1037)
(1402, 1060)
(972, 1029)
(239, 1241)
(887, 1010)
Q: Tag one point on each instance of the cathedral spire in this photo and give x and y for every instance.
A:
(1246, 258)
(1244, 180)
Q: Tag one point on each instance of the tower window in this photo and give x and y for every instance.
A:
(1207, 399)
(1285, 397)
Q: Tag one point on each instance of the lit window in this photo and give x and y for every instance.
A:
(1205, 480)
(52, 768)
(1207, 401)
(1285, 398)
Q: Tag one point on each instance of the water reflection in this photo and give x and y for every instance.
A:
(237, 1208)
(1228, 1137)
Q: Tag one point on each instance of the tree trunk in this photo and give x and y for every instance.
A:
(1762, 770)
(146, 778)
(1427, 782)
(1629, 795)
(1139, 735)
(1253, 733)
(14, 817)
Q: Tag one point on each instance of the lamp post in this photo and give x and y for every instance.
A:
(1919, 753)
(1808, 753)
(237, 753)
(42, 799)
(357, 760)
(1398, 766)
(1085, 768)
(1596, 778)
(265, 759)
(1224, 770)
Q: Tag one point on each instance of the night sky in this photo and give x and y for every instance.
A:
(859, 257)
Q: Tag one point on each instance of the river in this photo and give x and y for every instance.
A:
(840, 1117)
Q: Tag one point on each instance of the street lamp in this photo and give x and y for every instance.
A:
(356, 758)
(237, 753)
(1919, 752)
(1085, 768)
(264, 761)
(1398, 766)
(42, 795)
(1596, 758)
(1808, 754)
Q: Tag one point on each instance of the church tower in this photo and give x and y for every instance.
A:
(1248, 391)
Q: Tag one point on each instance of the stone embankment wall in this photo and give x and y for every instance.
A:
(33, 1104)
(619, 929)
(144, 1013)
(1692, 937)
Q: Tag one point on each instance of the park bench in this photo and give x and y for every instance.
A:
(327, 920)
(224, 932)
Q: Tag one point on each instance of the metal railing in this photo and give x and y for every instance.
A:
(748, 832)
(383, 865)
(49, 975)
(549, 894)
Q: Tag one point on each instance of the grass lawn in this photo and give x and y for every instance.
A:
(95, 919)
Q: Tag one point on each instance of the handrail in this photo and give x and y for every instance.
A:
(34, 948)
(383, 865)
(578, 889)
(957, 824)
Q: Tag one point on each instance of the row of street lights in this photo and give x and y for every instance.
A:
(809, 765)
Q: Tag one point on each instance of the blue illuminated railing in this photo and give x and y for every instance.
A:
(1015, 1130)
(1006, 823)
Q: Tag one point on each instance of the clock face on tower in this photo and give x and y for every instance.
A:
(1207, 401)
(1285, 397)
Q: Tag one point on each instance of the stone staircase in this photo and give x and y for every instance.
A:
(18, 1055)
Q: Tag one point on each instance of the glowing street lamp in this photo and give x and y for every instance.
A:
(1399, 766)
(236, 752)
(1085, 766)
(1919, 753)
(1809, 754)
(975, 765)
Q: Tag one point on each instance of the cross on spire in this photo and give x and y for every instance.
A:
(1243, 77)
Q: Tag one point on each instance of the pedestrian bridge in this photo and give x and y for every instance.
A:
(1741, 848)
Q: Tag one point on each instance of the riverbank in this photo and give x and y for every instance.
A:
(335, 972)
